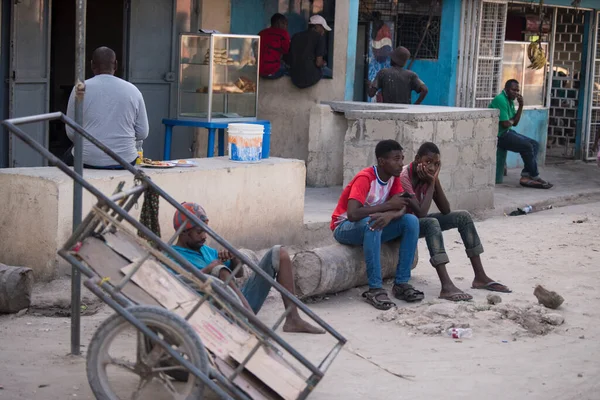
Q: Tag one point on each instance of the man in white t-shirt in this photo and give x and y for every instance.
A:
(113, 112)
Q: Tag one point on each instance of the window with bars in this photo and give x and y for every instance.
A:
(490, 52)
(594, 133)
(419, 22)
(416, 21)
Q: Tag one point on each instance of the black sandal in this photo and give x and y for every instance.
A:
(379, 299)
(407, 293)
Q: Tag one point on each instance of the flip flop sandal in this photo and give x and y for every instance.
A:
(379, 299)
(536, 184)
(458, 297)
(407, 293)
(491, 287)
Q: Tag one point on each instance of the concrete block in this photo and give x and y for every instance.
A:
(464, 129)
(37, 205)
(487, 150)
(444, 131)
(324, 169)
(418, 132)
(380, 130)
(326, 142)
(450, 154)
(468, 154)
(466, 200)
(355, 132)
(486, 128)
(481, 177)
(326, 130)
(445, 178)
(462, 179)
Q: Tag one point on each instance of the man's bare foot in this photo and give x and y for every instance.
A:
(298, 325)
(453, 293)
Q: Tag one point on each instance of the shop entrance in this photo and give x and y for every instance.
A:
(105, 27)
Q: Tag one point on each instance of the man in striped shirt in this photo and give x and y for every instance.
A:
(371, 211)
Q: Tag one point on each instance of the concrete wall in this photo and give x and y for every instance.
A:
(243, 204)
(466, 138)
(216, 14)
(533, 124)
(288, 108)
(325, 147)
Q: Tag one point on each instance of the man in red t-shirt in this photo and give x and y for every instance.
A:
(420, 178)
(274, 43)
(371, 211)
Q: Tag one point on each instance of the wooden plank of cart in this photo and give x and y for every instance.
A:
(185, 340)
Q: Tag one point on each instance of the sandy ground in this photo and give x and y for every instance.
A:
(503, 360)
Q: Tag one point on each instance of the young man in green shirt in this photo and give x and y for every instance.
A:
(510, 140)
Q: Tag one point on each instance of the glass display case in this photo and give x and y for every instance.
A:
(218, 77)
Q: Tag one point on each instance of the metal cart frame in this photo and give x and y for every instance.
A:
(111, 211)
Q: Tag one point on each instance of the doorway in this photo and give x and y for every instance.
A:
(105, 26)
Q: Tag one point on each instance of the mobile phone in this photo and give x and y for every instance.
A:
(406, 194)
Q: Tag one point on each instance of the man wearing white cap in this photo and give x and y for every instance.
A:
(307, 54)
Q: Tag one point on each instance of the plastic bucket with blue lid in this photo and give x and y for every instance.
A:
(245, 142)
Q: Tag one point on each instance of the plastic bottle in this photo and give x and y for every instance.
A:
(459, 333)
(140, 151)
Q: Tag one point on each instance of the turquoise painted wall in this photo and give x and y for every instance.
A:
(533, 124)
(440, 75)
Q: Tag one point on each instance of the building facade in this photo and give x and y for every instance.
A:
(467, 49)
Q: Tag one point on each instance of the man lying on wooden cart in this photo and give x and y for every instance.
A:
(220, 264)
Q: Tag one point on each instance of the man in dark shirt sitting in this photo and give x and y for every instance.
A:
(397, 83)
(274, 43)
(307, 54)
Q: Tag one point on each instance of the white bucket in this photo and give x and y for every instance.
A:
(245, 142)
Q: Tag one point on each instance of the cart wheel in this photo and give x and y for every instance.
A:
(118, 365)
(179, 375)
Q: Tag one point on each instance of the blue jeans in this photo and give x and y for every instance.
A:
(256, 289)
(282, 71)
(432, 226)
(358, 233)
(528, 148)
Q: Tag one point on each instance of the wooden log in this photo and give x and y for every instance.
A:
(338, 267)
(16, 285)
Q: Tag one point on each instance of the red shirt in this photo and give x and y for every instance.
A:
(274, 42)
(418, 190)
(367, 188)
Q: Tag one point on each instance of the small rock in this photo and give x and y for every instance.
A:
(43, 385)
(549, 299)
(22, 312)
(580, 375)
(388, 316)
(553, 319)
(582, 337)
(493, 299)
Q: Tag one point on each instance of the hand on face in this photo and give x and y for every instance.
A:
(520, 99)
(427, 174)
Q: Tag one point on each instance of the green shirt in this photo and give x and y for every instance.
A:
(507, 110)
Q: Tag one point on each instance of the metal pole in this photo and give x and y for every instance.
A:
(80, 15)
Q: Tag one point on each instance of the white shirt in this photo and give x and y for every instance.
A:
(114, 113)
